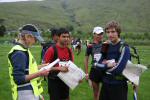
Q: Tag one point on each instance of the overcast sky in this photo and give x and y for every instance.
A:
(17, 0)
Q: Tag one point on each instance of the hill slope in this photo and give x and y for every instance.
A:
(83, 15)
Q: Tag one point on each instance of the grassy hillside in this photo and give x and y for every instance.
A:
(45, 14)
(83, 15)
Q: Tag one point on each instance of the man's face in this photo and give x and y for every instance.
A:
(98, 37)
(55, 38)
(64, 39)
(112, 35)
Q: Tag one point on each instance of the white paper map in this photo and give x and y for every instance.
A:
(97, 56)
(50, 65)
(73, 76)
(133, 71)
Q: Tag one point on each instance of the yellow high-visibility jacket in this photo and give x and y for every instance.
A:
(35, 83)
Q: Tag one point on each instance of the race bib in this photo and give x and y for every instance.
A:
(97, 57)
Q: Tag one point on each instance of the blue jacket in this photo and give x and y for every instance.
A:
(20, 62)
(121, 56)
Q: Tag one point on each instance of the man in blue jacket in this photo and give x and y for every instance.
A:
(114, 85)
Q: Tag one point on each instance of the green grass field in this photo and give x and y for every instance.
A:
(83, 91)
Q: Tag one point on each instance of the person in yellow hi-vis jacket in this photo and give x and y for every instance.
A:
(23, 70)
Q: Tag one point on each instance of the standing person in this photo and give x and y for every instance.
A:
(54, 35)
(78, 46)
(94, 50)
(114, 85)
(57, 89)
(45, 46)
(23, 69)
(73, 44)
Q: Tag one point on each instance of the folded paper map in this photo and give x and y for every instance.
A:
(133, 71)
(73, 76)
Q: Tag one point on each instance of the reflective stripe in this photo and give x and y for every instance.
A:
(26, 69)
(24, 85)
(120, 59)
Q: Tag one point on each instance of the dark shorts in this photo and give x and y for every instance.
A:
(96, 75)
(114, 92)
(57, 89)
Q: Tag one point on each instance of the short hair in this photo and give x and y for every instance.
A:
(63, 31)
(113, 24)
(54, 31)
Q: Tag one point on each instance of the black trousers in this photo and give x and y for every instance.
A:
(114, 92)
(57, 89)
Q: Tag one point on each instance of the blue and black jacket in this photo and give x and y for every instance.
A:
(20, 62)
(121, 56)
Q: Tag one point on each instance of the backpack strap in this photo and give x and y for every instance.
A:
(70, 54)
(53, 74)
(104, 49)
(55, 52)
(134, 54)
(123, 44)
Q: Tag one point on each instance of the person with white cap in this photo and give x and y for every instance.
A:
(94, 50)
(23, 70)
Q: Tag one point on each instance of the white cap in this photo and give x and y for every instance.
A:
(98, 30)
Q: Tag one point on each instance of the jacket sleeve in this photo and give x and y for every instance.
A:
(121, 64)
(19, 63)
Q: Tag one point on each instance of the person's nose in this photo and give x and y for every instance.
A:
(67, 38)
